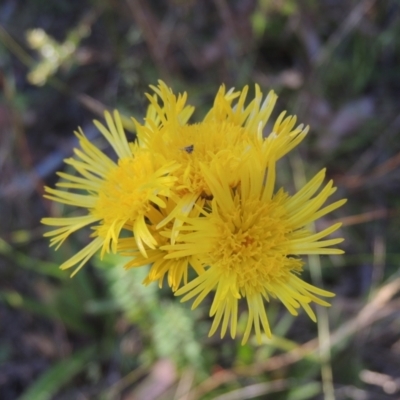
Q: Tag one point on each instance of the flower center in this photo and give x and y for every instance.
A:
(209, 143)
(124, 195)
(252, 244)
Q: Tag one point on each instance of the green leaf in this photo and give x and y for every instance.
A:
(29, 263)
(61, 373)
(306, 391)
(16, 300)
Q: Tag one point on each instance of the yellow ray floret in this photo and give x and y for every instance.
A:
(176, 269)
(116, 195)
(249, 243)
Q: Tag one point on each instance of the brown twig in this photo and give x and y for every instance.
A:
(367, 217)
(356, 181)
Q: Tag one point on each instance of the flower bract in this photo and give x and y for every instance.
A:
(116, 195)
(250, 241)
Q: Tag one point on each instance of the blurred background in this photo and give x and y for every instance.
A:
(102, 335)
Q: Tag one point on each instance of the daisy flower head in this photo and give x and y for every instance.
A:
(116, 195)
(221, 140)
(250, 241)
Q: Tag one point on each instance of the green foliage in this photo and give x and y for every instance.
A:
(304, 392)
(134, 299)
(174, 336)
(170, 324)
(61, 373)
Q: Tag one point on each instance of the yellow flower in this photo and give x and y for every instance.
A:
(202, 196)
(249, 242)
(176, 268)
(221, 141)
(116, 195)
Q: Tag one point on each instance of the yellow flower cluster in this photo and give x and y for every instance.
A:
(197, 201)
